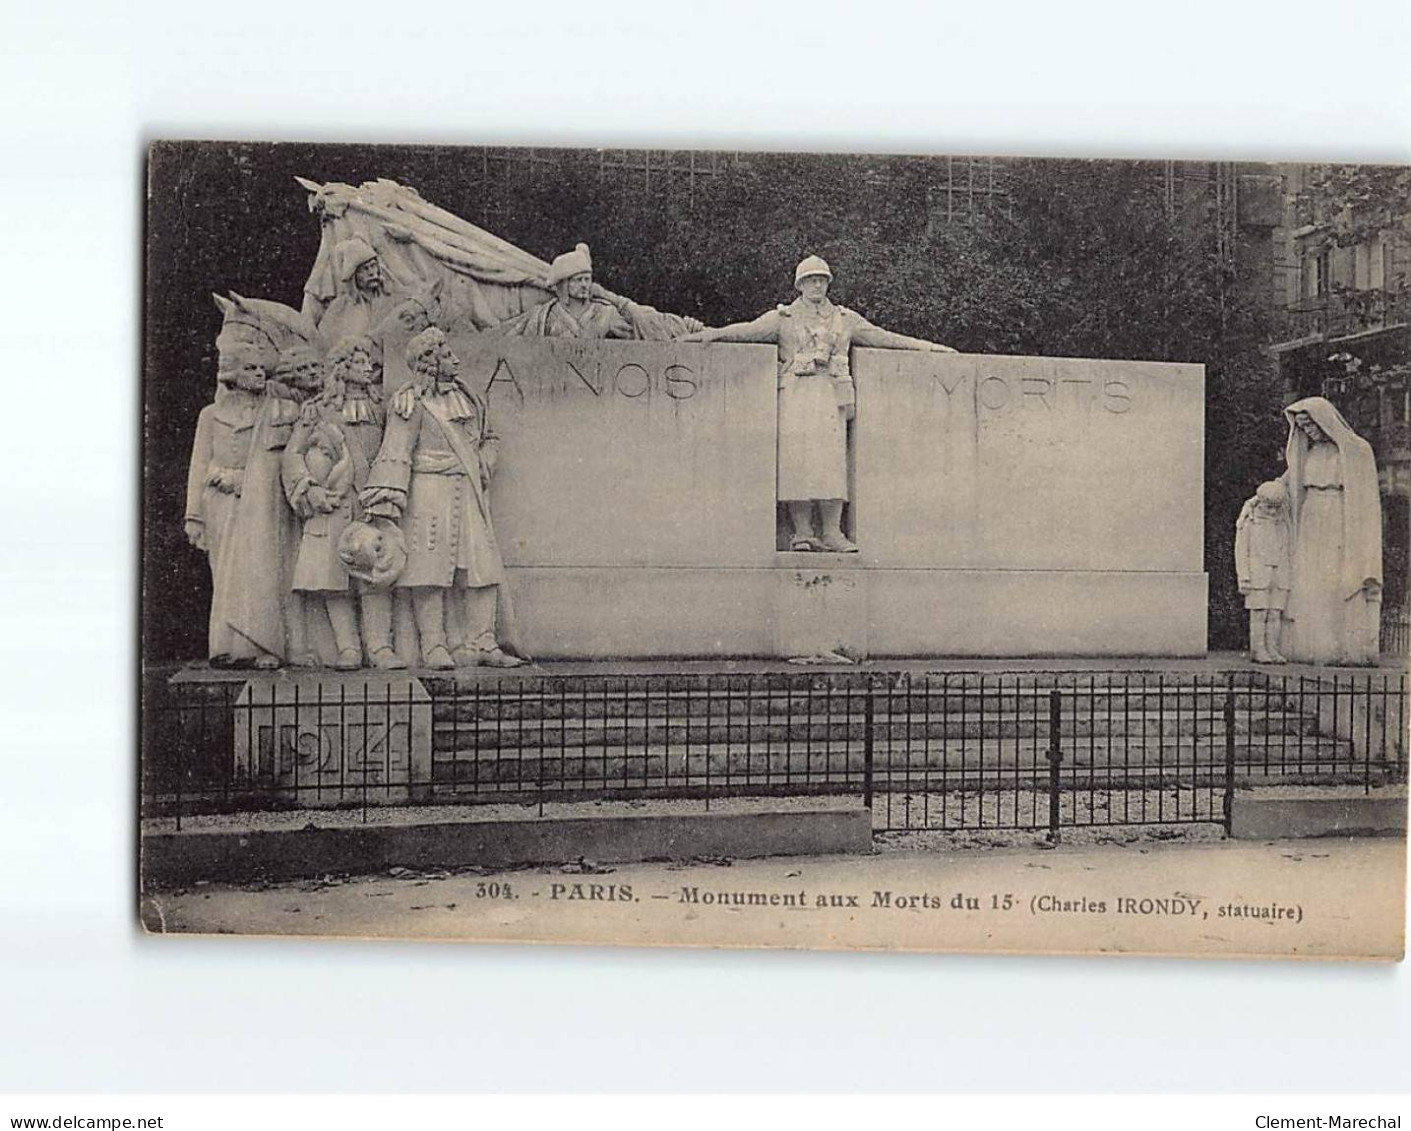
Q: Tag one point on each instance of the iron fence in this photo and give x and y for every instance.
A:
(925, 750)
(1396, 632)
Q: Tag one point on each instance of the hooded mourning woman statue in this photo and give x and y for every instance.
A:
(1334, 605)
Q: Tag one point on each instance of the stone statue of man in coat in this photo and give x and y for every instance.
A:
(432, 474)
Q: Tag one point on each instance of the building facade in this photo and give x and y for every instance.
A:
(1343, 284)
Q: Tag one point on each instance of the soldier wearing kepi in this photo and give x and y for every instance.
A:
(816, 397)
(432, 474)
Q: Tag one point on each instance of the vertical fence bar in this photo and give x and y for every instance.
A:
(1384, 712)
(1366, 734)
(980, 756)
(867, 718)
(926, 751)
(182, 746)
(1337, 703)
(1092, 748)
(274, 713)
(666, 733)
(708, 720)
(751, 704)
(1161, 748)
(539, 753)
(1055, 756)
(1107, 690)
(1401, 728)
(945, 750)
(646, 731)
(455, 737)
(1302, 708)
(1127, 746)
(1286, 706)
(768, 728)
(561, 711)
(1034, 750)
(810, 685)
(583, 734)
(964, 744)
(626, 733)
(907, 741)
(788, 729)
(1229, 810)
(343, 742)
(888, 711)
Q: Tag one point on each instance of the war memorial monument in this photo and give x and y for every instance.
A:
(484, 536)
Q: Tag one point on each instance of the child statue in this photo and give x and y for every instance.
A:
(1264, 568)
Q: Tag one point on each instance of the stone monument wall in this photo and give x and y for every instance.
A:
(1004, 505)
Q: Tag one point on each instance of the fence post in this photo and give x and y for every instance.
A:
(867, 710)
(1054, 756)
(1229, 812)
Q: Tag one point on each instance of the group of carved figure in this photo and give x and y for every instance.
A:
(309, 495)
(1308, 551)
(345, 532)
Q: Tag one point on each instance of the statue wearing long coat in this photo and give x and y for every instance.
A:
(224, 431)
(440, 450)
(815, 388)
(255, 573)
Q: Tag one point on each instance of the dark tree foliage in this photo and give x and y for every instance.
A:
(1080, 259)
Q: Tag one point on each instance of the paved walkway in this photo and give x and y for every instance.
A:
(1306, 899)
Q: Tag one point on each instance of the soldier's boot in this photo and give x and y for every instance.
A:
(344, 622)
(1257, 653)
(834, 539)
(377, 632)
(1273, 629)
(801, 519)
(477, 615)
(429, 608)
(296, 635)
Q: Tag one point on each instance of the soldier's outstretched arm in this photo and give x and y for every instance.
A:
(765, 328)
(878, 338)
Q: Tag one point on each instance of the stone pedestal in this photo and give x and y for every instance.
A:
(328, 738)
(1004, 506)
(820, 605)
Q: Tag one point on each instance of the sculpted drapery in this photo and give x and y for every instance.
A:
(1334, 605)
(387, 260)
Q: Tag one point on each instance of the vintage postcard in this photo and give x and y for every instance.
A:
(945, 553)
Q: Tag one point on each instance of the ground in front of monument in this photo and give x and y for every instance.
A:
(891, 805)
(1130, 895)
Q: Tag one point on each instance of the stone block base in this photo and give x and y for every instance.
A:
(1278, 814)
(810, 603)
(302, 845)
